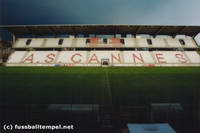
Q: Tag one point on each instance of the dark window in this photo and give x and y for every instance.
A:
(149, 41)
(60, 42)
(123, 35)
(105, 62)
(87, 40)
(28, 42)
(122, 41)
(86, 35)
(182, 42)
(105, 41)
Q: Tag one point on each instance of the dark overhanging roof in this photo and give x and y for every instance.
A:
(42, 30)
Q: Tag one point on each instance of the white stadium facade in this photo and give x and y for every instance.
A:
(103, 45)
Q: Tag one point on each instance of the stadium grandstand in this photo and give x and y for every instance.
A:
(103, 45)
(5, 51)
(102, 78)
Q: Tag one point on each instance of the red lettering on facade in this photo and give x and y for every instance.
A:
(50, 58)
(29, 59)
(116, 58)
(139, 58)
(160, 58)
(94, 58)
(181, 58)
(73, 58)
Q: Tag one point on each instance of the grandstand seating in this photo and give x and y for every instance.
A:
(58, 42)
(189, 43)
(29, 43)
(146, 51)
(40, 57)
(80, 42)
(112, 56)
(171, 42)
(138, 57)
(142, 42)
(158, 43)
(118, 58)
(193, 56)
(129, 42)
(16, 57)
(71, 57)
(170, 57)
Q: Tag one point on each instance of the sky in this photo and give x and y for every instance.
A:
(150, 12)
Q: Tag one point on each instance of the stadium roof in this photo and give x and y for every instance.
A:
(102, 29)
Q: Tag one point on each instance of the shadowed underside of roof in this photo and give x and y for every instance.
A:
(101, 29)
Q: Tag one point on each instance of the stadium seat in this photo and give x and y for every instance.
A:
(193, 56)
(158, 43)
(29, 43)
(54, 43)
(80, 42)
(170, 57)
(138, 57)
(142, 43)
(96, 57)
(16, 57)
(189, 43)
(116, 58)
(173, 43)
(73, 57)
(40, 57)
(129, 42)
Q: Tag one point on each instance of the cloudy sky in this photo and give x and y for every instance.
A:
(165, 12)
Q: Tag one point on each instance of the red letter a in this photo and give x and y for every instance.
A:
(29, 59)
